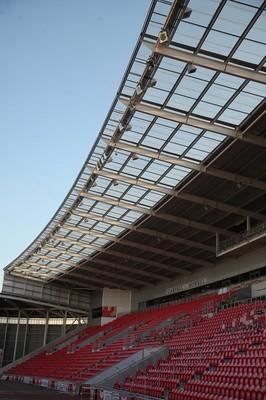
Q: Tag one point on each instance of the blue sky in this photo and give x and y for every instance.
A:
(61, 65)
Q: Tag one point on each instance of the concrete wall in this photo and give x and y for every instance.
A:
(259, 289)
(109, 298)
(119, 298)
(223, 269)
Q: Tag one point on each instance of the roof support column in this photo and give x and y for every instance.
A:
(46, 328)
(89, 317)
(4, 341)
(217, 242)
(63, 332)
(16, 338)
(25, 337)
(248, 223)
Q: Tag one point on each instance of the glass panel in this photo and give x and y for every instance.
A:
(219, 42)
(251, 51)
(234, 117)
(202, 11)
(257, 32)
(234, 18)
(188, 33)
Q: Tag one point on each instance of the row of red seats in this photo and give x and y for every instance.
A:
(232, 357)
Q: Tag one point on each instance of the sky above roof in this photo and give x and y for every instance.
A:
(61, 65)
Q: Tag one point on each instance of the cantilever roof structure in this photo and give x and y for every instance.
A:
(179, 164)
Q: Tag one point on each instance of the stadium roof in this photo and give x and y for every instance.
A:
(12, 306)
(178, 168)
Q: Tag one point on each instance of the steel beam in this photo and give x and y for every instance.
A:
(70, 280)
(209, 170)
(196, 123)
(140, 246)
(129, 269)
(98, 280)
(141, 260)
(179, 194)
(206, 62)
(109, 263)
(136, 259)
(51, 259)
(90, 269)
(72, 273)
(155, 213)
(103, 250)
(30, 277)
(145, 231)
(40, 266)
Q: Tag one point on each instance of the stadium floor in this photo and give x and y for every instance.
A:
(19, 391)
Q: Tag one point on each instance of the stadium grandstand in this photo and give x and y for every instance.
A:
(150, 279)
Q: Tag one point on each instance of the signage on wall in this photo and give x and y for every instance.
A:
(105, 311)
(186, 286)
(109, 311)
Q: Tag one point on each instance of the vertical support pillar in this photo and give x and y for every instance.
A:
(248, 223)
(25, 287)
(217, 242)
(41, 294)
(46, 328)
(25, 337)
(64, 324)
(16, 338)
(89, 317)
(4, 341)
(69, 297)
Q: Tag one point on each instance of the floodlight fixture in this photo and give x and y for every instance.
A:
(163, 37)
(139, 90)
(128, 128)
(152, 82)
(191, 68)
(124, 127)
(115, 183)
(134, 156)
(187, 13)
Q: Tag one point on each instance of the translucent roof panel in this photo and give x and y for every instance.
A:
(166, 121)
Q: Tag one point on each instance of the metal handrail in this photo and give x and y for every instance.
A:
(242, 238)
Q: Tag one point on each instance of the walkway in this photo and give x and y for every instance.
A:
(20, 391)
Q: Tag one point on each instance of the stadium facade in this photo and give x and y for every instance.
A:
(170, 203)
